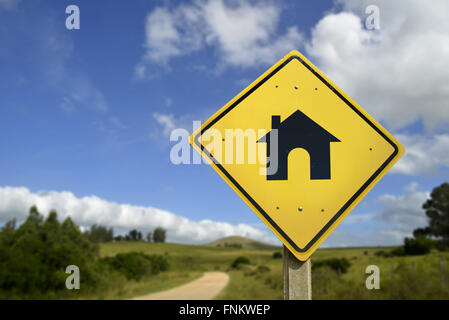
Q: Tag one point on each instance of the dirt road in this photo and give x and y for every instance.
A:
(205, 288)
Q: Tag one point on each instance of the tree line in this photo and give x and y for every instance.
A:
(98, 233)
(34, 257)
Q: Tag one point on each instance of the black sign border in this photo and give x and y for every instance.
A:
(253, 202)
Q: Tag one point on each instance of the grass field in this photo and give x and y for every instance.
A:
(243, 243)
(416, 277)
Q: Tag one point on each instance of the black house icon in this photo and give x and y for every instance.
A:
(299, 131)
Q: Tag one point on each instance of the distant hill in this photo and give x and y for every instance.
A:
(242, 242)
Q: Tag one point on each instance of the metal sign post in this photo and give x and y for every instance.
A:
(297, 277)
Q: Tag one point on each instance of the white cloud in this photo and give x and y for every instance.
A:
(359, 218)
(78, 92)
(399, 214)
(246, 34)
(140, 70)
(380, 237)
(404, 212)
(397, 73)
(110, 127)
(169, 34)
(9, 4)
(168, 101)
(396, 219)
(412, 187)
(116, 122)
(424, 155)
(242, 33)
(166, 121)
(15, 203)
(76, 89)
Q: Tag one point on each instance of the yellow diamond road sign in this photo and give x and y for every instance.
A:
(330, 152)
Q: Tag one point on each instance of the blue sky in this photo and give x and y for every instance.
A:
(85, 114)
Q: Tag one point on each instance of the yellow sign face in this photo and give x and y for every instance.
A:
(298, 151)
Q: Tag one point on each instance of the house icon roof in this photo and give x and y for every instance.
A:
(300, 125)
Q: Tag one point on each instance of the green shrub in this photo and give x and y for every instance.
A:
(263, 269)
(382, 254)
(274, 281)
(397, 252)
(442, 245)
(159, 263)
(277, 255)
(135, 265)
(233, 245)
(417, 246)
(34, 257)
(337, 264)
(239, 261)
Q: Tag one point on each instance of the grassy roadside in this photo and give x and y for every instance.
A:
(187, 262)
(411, 277)
(243, 286)
(131, 289)
(119, 287)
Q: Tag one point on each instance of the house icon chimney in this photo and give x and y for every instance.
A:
(299, 131)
